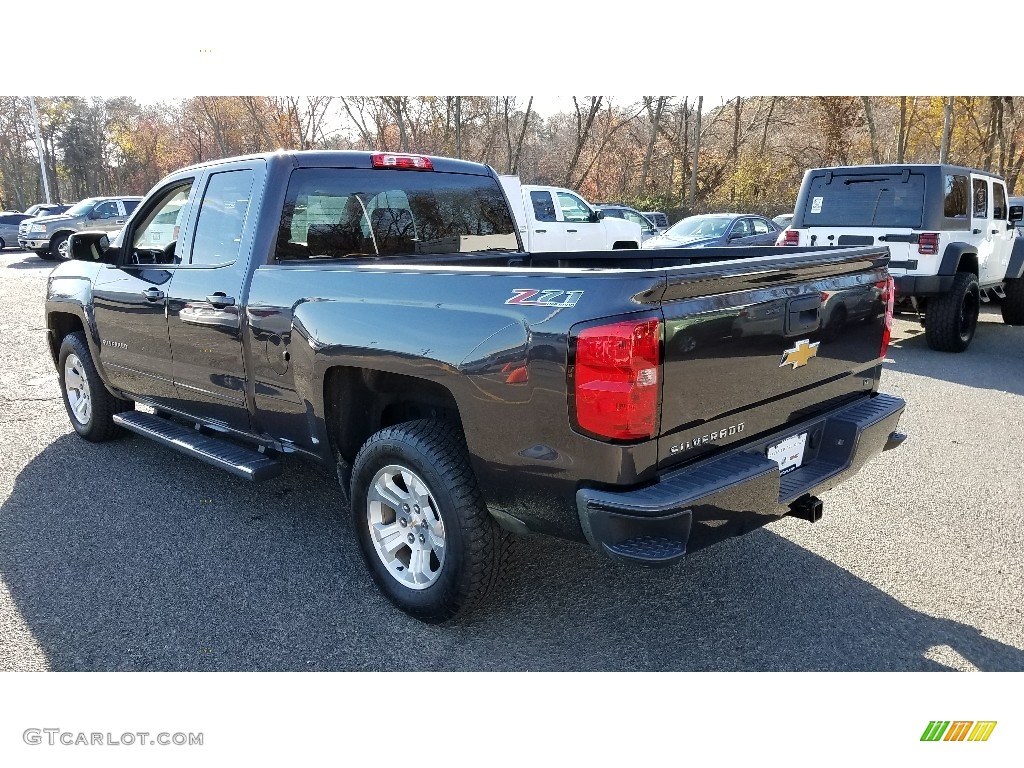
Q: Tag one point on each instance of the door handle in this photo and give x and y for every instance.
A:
(153, 294)
(540, 231)
(219, 300)
(975, 231)
(572, 230)
(119, 221)
(995, 231)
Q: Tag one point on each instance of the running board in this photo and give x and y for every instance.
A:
(239, 461)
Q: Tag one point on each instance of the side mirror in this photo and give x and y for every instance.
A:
(1016, 212)
(92, 214)
(735, 236)
(596, 216)
(88, 246)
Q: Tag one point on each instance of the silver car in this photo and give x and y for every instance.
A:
(9, 228)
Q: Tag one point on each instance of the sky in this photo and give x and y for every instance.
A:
(790, 47)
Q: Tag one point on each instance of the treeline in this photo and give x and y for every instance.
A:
(673, 153)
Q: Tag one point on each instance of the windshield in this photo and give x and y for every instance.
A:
(699, 226)
(83, 207)
(875, 200)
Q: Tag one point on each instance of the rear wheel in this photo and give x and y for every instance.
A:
(1013, 303)
(90, 406)
(45, 255)
(953, 317)
(424, 532)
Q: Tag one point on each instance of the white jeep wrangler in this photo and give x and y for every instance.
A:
(950, 232)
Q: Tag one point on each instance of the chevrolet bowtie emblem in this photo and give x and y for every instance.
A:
(800, 354)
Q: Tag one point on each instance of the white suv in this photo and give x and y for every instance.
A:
(950, 233)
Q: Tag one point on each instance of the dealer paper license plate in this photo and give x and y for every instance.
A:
(789, 453)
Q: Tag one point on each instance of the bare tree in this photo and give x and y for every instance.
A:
(696, 154)
(869, 118)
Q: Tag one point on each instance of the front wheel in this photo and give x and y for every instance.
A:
(90, 406)
(45, 255)
(423, 530)
(1012, 305)
(59, 246)
(953, 317)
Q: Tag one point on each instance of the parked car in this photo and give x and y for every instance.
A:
(9, 228)
(46, 209)
(659, 219)
(556, 219)
(783, 220)
(363, 311)
(950, 232)
(618, 211)
(47, 235)
(716, 229)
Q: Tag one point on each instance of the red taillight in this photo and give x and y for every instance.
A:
(928, 243)
(410, 162)
(824, 296)
(616, 379)
(889, 297)
(790, 237)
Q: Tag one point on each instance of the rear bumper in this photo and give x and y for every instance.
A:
(737, 491)
(923, 285)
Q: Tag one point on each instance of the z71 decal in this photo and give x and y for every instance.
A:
(534, 297)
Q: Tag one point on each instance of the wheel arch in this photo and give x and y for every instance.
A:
(361, 401)
(959, 257)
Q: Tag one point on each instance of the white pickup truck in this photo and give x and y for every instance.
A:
(556, 219)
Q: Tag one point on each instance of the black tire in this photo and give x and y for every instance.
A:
(56, 242)
(475, 549)
(3, 244)
(44, 255)
(953, 317)
(98, 425)
(1013, 305)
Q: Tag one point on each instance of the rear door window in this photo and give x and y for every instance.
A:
(543, 206)
(957, 197)
(875, 200)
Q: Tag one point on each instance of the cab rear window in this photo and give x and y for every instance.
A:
(334, 213)
(878, 200)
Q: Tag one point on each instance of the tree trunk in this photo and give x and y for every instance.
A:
(901, 139)
(655, 122)
(767, 120)
(947, 129)
(869, 117)
(522, 134)
(583, 126)
(696, 154)
(458, 127)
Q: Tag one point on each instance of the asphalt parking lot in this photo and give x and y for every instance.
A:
(126, 556)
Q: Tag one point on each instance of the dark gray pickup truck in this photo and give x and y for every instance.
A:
(376, 313)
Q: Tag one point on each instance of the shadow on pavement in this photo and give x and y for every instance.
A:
(28, 260)
(997, 344)
(125, 556)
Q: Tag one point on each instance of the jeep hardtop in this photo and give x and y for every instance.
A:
(949, 230)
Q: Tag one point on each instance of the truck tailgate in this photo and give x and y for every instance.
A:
(769, 342)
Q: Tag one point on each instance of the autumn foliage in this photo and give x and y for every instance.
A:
(671, 153)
